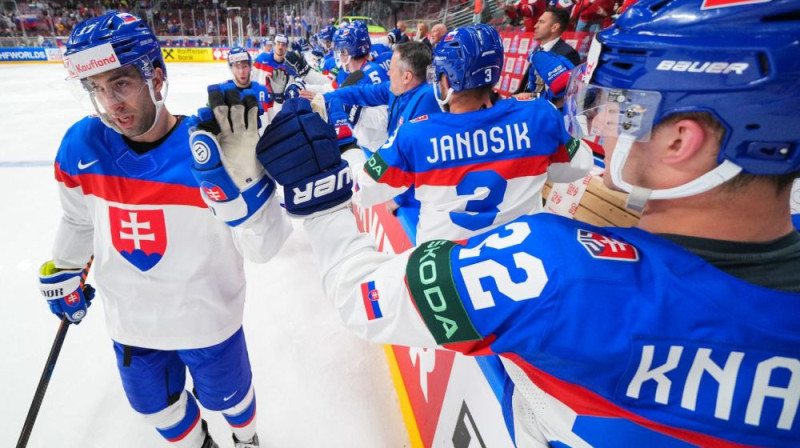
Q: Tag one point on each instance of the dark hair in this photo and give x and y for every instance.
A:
(417, 56)
(561, 17)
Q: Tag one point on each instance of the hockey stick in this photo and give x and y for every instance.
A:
(38, 397)
(49, 366)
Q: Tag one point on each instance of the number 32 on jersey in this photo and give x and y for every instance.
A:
(497, 267)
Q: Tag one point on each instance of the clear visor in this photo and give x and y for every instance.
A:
(341, 57)
(592, 111)
(114, 89)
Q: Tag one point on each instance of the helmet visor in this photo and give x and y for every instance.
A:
(594, 111)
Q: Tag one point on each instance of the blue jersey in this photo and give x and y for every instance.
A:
(383, 59)
(414, 103)
(373, 74)
(475, 170)
(613, 337)
(637, 341)
(266, 62)
(328, 63)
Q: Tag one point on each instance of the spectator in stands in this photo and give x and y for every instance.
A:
(591, 14)
(526, 12)
(437, 32)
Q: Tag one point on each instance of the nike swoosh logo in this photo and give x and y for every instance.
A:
(83, 166)
(229, 396)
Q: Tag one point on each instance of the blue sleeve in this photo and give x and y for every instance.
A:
(362, 95)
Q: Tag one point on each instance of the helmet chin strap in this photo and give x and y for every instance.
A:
(442, 102)
(159, 105)
(638, 196)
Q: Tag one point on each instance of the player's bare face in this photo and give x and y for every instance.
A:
(125, 97)
(280, 50)
(241, 73)
(396, 71)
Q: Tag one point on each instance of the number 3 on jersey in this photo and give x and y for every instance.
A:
(533, 280)
(480, 213)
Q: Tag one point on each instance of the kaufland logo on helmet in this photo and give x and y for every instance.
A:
(92, 61)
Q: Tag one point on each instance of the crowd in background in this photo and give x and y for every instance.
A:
(206, 18)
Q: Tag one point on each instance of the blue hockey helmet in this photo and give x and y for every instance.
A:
(110, 41)
(326, 33)
(353, 39)
(470, 57)
(736, 60)
(239, 54)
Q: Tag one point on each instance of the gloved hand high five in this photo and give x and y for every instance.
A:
(278, 80)
(298, 63)
(299, 150)
(223, 141)
(66, 292)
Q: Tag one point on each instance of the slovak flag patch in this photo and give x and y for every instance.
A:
(601, 246)
(213, 192)
(371, 298)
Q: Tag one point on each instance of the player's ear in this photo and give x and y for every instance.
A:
(683, 140)
(158, 79)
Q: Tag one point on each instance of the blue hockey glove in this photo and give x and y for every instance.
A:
(65, 291)
(553, 69)
(293, 89)
(223, 139)
(338, 119)
(396, 36)
(299, 150)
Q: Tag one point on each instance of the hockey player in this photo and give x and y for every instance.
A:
(406, 94)
(682, 332)
(169, 272)
(481, 164)
(351, 46)
(325, 38)
(241, 64)
(265, 63)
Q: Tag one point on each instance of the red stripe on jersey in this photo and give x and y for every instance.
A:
(560, 156)
(132, 191)
(508, 169)
(586, 402)
(265, 67)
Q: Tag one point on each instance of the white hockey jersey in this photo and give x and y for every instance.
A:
(169, 274)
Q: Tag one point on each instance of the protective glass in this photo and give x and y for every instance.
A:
(592, 111)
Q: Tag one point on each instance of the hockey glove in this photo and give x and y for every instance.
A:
(299, 150)
(395, 36)
(223, 139)
(66, 291)
(338, 119)
(297, 63)
(278, 81)
(293, 89)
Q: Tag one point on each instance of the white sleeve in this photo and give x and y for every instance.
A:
(380, 40)
(371, 129)
(577, 168)
(348, 261)
(261, 237)
(316, 78)
(74, 243)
